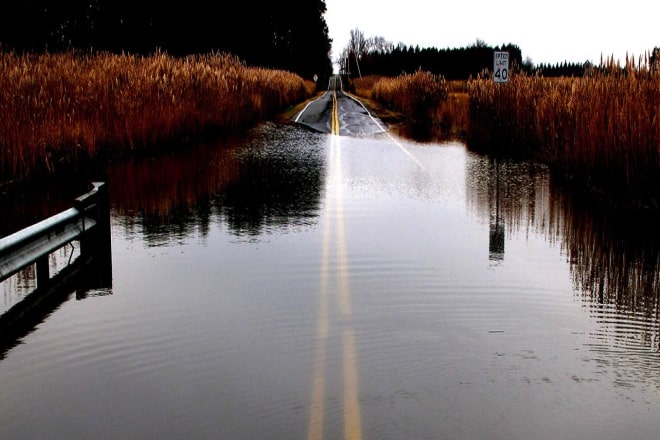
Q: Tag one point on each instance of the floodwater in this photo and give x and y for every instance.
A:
(295, 285)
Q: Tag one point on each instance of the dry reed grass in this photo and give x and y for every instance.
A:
(452, 114)
(416, 95)
(364, 86)
(423, 96)
(603, 128)
(61, 109)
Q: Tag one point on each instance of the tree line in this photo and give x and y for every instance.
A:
(260, 32)
(375, 55)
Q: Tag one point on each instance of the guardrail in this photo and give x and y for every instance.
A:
(88, 221)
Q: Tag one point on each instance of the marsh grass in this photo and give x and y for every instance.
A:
(61, 110)
(423, 97)
(602, 129)
(415, 94)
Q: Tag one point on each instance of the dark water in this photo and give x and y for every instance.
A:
(294, 285)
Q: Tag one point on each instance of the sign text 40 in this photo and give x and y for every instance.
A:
(501, 67)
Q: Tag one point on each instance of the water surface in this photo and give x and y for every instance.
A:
(298, 285)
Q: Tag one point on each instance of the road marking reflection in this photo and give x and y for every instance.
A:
(351, 412)
(405, 151)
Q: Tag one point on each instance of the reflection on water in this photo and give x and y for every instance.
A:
(273, 181)
(615, 263)
(23, 305)
(18, 286)
(614, 255)
(512, 196)
(24, 204)
(475, 287)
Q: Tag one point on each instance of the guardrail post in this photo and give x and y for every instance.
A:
(95, 204)
(96, 243)
(104, 234)
(43, 272)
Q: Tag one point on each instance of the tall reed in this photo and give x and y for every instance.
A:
(414, 94)
(603, 128)
(59, 109)
(424, 97)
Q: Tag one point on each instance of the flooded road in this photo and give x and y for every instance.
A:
(299, 285)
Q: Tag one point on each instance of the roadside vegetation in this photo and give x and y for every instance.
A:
(61, 111)
(601, 129)
(424, 98)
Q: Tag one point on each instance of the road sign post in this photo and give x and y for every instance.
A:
(501, 67)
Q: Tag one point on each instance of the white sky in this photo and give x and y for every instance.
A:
(548, 32)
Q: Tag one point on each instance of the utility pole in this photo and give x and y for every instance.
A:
(357, 64)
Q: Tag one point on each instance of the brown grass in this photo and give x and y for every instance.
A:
(603, 128)
(60, 109)
(413, 94)
(423, 97)
(452, 114)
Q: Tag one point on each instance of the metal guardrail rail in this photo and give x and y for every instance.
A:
(88, 221)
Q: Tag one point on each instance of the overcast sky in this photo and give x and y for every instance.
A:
(548, 32)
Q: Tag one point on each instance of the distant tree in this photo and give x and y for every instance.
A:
(564, 69)
(527, 65)
(655, 59)
(479, 43)
(357, 48)
(377, 56)
(379, 45)
(357, 42)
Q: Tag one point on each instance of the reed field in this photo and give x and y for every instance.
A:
(61, 110)
(424, 97)
(414, 94)
(602, 129)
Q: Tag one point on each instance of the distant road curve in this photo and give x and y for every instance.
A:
(338, 113)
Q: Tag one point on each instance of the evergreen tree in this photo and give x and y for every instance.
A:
(290, 35)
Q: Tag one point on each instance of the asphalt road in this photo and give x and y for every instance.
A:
(339, 113)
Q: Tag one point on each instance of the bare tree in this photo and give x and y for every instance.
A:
(379, 45)
(357, 46)
(343, 61)
(357, 43)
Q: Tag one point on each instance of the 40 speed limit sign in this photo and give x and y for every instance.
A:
(501, 67)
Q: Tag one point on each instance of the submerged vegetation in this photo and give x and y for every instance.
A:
(602, 129)
(61, 110)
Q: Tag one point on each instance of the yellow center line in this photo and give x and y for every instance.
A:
(315, 429)
(352, 419)
(335, 114)
(352, 416)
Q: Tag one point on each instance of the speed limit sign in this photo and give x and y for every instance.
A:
(501, 67)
